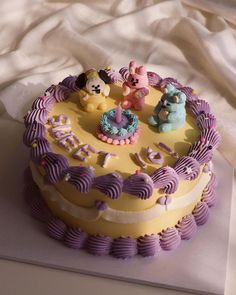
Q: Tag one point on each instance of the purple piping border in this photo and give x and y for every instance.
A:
(61, 92)
(122, 247)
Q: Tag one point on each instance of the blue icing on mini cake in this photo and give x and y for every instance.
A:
(170, 111)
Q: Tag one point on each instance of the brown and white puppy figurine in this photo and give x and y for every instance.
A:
(93, 90)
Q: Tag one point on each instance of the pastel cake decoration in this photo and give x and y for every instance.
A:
(106, 181)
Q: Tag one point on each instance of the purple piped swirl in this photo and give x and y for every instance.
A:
(201, 213)
(206, 121)
(39, 147)
(209, 195)
(36, 116)
(43, 102)
(54, 165)
(113, 75)
(99, 245)
(187, 168)
(56, 229)
(80, 177)
(124, 72)
(75, 238)
(202, 153)
(149, 245)
(153, 79)
(32, 132)
(110, 184)
(187, 227)
(162, 84)
(170, 239)
(166, 178)
(199, 106)
(210, 137)
(140, 185)
(59, 92)
(69, 82)
(124, 247)
(213, 181)
(39, 210)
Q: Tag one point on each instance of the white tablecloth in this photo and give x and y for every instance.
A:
(195, 41)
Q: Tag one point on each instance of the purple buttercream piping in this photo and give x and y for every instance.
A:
(114, 76)
(201, 213)
(124, 72)
(99, 245)
(56, 229)
(124, 247)
(43, 102)
(153, 78)
(109, 184)
(170, 239)
(75, 238)
(80, 177)
(206, 121)
(39, 147)
(70, 82)
(166, 178)
(210, 137)
(39, 210)
(100, 205)
(38, 115)
(187, 227)
(149, 245)
(202, 153)
(59, 92)
(199, 106)
(162, 84)
(209, 195)
(54, 164)
(187, 168)
(32, 132)
(140, 185)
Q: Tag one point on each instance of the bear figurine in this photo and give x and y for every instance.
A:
(93, 90)
(170, 111)
(135, 88)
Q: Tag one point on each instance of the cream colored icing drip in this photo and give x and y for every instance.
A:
(119, 216)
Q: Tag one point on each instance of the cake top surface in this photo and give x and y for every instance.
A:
(84, 126)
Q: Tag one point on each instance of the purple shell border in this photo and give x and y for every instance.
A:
(201, 151)
(122, 247)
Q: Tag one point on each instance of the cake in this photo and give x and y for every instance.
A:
(120, 161)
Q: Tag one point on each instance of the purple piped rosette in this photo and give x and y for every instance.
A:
(149, 245)
(187, 227)
(140, 185)
(110, 184)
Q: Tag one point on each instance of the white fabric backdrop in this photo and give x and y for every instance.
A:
(195, 41)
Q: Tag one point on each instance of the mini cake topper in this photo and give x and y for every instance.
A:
(93, 90)
(118, 127)
(135, 88)
(170, 111)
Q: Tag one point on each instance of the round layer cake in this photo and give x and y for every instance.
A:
(116, 197)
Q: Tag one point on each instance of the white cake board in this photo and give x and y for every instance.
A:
(197, 266)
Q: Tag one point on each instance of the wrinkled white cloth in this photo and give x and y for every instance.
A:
(193, 41)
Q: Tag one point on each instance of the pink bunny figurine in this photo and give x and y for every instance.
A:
(135, 88)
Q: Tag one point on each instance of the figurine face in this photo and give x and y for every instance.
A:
(137, 81)
(95, 86)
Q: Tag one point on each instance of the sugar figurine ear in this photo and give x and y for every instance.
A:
(132, 66)
(81, 80)
(104, 76)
